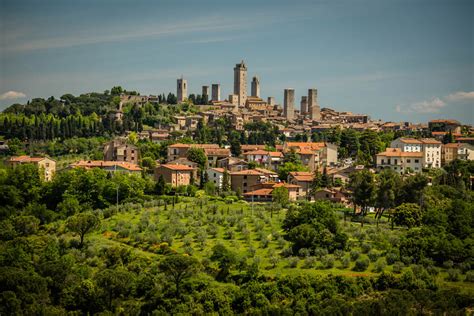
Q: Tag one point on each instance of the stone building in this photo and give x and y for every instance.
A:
(313, 106)
(289, 104)
(240, 82)
(255, 87)
(271, 101)
(205, 91)
(46, 166)
(119, 150)
(216, 92)
(175, 175)
(182, 90)
(304, 105)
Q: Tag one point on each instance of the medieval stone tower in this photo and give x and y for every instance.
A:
(182, 90)
(216, 92)
(255, 88)
(240, 82)
(313, 106)
(289, 104)
(304, 105)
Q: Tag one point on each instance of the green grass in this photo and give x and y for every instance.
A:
(133, 228)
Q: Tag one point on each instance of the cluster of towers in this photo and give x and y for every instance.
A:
(309, 104)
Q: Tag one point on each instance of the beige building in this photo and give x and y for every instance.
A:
(313, 155)
(431, 149)
(263, 192)
(303, 179)
(216, 92)
(268, 159)
(289, 104)
(313, 105)
(46, 166)
(400, 161)
(119, 150)
(255, 89)
(212, 151)
(245, 179)
(176, 175)
(453, 151)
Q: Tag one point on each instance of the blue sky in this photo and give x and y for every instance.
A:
(397, 60)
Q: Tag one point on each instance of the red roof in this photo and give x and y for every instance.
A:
(176, 167)
(302, 176)
(102, 164)
(249, 172)
(396, 152)
(26, 159)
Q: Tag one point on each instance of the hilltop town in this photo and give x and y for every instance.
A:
(117, 202)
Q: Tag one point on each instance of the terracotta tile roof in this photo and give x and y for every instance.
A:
(203, 146)
(104, 164)
(259, 192)
(177, 167)
(26, 159)
(396, 152)
(246, 148)
(302, 176)
(250, 172)
(264, 152)
(410, 141)
(430, 141)
(446, 121)
(286, 185)
(452, 145)
(266, 171)
(217, 151)
(221, 170)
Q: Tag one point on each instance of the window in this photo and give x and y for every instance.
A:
(215, 175)
(381, 162)
(245, 184)
(388, 161)
(417, 160)
(408, 160)
(396, 161)
(245, 177)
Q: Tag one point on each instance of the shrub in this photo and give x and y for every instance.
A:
(407, 260)
(453, 275)
(293, 262)
(380, 265)
(373, 255)
(345, 262)
(287, 252)
(398, 267)
(320, 252)
(469, 276)
(361, 264)
(448, 264)
(328, 261)
(465, 267)
(391, 258)
(304, 252)
(310, 262)
(355, 255)
(365, 247)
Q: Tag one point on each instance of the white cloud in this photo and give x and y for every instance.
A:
(435, 104)
(460, 96)
(10, 95)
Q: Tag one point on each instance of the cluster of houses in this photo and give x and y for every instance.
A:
(254, 174)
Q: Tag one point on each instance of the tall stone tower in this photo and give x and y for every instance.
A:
(255, 89)
(240, 82)
(313, 106)
(289, 104)
(182, 91)
(205, 91)
(271, 101)
(216, 92)
(304, 105)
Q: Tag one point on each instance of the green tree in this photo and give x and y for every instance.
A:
(82, 224)
(388, 191)
(179, 268)
(280, 196)
(363, 187)
(226, 260)
(113, 282)
(407, 214)
(198, 156)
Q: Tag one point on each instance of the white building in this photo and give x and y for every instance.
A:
(430, 148)
(269, 159)
(400, 161)
(216, 176)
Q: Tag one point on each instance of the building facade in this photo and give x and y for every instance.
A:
(240, 83)
(289, 104)
(182, 90)
(46, 166)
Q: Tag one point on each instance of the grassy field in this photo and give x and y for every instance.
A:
(194, 226)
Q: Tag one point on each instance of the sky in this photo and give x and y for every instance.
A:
(395, 60)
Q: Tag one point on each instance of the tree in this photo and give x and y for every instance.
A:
(225, 258)
(225, 181)
(363, 186)
(179, 268)
(407, 214)
(160, 185)
(148, 164)
(198, 156)
(288, 167)
(114, 282)
(388, 191)
(280, 195)
(82, 224)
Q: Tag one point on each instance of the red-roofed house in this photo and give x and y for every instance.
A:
(400, 161)
(303, 179)
(269, 159)
(175, 175)
(46, 165)
(110, 166)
